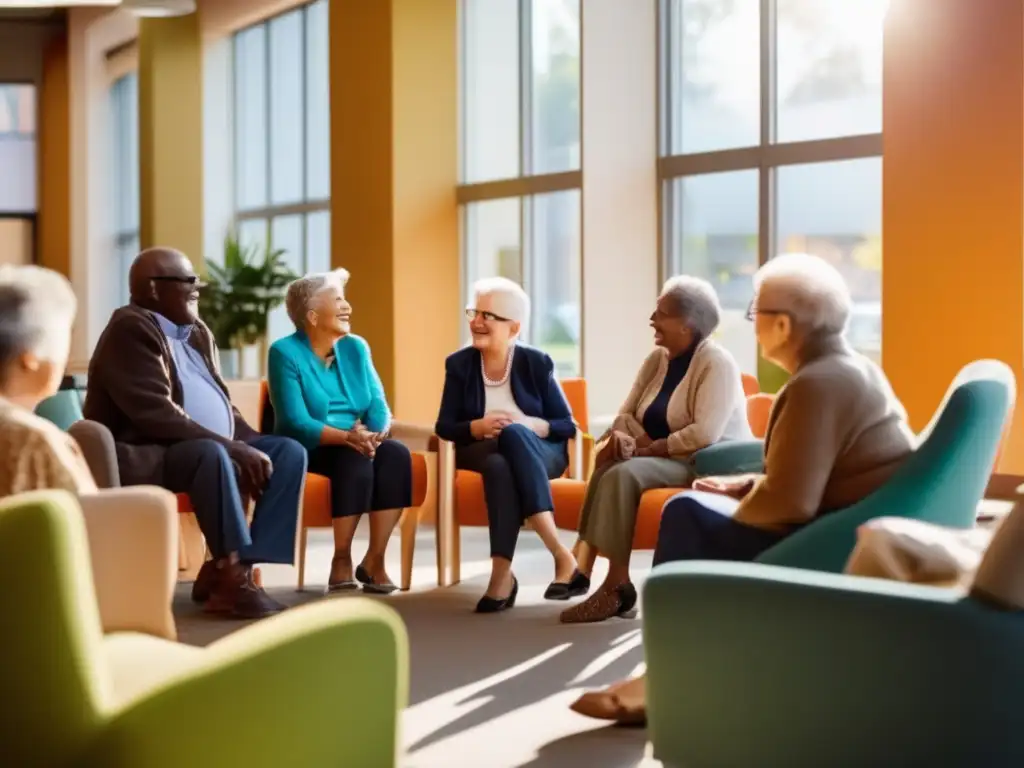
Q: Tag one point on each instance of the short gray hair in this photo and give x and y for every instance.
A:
(810, 290)
(695, 302)
(513, 303)
(302, 293)
(37, 312)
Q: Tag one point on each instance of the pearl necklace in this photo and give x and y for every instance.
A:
(508, 370)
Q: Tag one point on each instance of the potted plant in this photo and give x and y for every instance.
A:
(239, 297)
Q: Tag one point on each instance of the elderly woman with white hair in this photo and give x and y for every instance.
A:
(687, 395)
(37, 310)
(327, 395)
(835, 435)
(509, 420)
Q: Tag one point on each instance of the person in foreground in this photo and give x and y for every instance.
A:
(37, 310)
(687, 395)
(509, 420)
(836, 434)
(154, 383)
(327, 395)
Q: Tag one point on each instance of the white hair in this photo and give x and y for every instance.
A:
(695, 302)
(37, 312)
(303, 292)
(809, 289)
(510, 300)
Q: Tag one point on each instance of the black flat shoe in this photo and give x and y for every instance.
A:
(369, 585)
(562, 590)
(494, 605)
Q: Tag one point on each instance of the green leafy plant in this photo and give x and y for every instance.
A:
(241, 293)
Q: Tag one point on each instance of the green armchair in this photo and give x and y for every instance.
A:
(267, 695)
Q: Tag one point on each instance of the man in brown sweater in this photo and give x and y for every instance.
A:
(154, 382)
(836, 431)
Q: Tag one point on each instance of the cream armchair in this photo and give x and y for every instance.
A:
(133, 545)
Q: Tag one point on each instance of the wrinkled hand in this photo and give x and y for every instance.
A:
(643, 441)
(735, 487)
(619, 447)
(254, 468)
(653, 448)
(490, 425)
(362, 440)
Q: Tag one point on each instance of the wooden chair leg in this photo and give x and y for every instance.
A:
(408, 523)
(456, 564)
(302, 559)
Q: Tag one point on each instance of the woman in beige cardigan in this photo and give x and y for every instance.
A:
(687, 395)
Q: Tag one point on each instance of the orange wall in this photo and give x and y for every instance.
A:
(54, 231)
(953, 197)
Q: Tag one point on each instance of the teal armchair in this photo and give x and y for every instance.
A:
(267, 695)
(755, 665)
(63, 408)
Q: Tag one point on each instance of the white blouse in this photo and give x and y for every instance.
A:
(498, 397)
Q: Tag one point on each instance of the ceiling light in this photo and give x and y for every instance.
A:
(159, 8)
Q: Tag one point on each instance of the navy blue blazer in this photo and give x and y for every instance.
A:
(534, 387)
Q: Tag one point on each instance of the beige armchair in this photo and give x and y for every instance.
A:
(133, 545)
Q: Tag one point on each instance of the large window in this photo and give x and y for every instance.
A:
(17, 173)
(124, 178)
(771, 143)
(521, 160)
(282, 140)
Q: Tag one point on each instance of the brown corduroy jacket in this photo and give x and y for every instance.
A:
(134, 391)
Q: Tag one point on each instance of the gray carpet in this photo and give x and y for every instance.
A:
(485, 690)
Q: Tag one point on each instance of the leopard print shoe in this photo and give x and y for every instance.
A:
(604, 604)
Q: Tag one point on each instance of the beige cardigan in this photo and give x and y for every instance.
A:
(707, 406)
(836, 433)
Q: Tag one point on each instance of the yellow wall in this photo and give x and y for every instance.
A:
(394, 220)
(953, 197)
(54, 231)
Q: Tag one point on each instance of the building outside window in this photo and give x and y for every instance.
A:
(17, 173)
(282, 141)
(771, 143)
(124, 179)
(520, 153)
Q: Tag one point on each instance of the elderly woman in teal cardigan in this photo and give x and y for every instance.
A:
(327, 395)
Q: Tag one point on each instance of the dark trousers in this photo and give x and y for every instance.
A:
(203, 470)
(699, 526)
(360, 484)
(516, 468)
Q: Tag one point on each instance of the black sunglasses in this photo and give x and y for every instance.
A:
(472, 314)
(186, 279)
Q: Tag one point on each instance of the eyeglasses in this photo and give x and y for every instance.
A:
(473, 314)
(186, 279)
(753, 311)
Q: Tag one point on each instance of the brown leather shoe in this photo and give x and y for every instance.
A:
(606, 705)
(237, 595)
(206, 581)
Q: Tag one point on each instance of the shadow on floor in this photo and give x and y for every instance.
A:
(602, 746)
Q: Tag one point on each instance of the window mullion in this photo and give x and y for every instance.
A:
(766, 175)
(526, 87)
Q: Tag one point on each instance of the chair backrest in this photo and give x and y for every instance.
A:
(53, 674)
(759, 408)
(941, 482)
(751, 386)
(63, 408)
(576, 393)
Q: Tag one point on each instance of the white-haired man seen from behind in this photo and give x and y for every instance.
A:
(37, 310)
(836, 434)
(509, 420)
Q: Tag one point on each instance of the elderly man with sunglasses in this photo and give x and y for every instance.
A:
(155, 384)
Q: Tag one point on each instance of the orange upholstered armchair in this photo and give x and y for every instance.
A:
(461, 493)
(316, 501)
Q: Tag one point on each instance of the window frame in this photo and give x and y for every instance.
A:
(527, 185)
(766, 157)
(307, 205)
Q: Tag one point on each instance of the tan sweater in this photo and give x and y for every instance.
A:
(707, 406)
(35, 455)
(836, 433)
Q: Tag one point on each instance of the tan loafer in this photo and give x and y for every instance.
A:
(604, 705)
